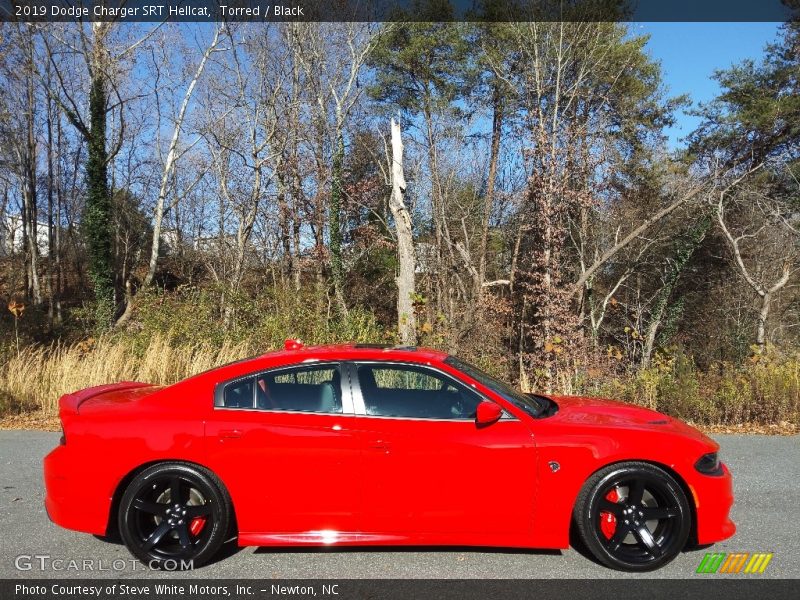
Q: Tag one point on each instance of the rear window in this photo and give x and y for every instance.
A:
(239, 394)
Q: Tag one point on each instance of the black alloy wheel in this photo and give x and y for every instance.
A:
(633, 516)
(174, 516)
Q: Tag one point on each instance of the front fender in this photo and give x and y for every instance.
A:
(568, 458)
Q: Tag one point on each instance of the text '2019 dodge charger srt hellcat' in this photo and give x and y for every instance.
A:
(372, 445)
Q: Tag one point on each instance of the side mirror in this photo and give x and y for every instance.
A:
(488, 413)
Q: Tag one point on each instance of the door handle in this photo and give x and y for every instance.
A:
(230, 433)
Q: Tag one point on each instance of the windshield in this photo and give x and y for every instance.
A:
(533, 405)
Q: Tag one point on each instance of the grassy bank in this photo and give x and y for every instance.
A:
(761, 392)
(764, 390)
(36, 378)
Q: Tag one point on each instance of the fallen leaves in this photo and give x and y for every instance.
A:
(781, 428)
(35, 420)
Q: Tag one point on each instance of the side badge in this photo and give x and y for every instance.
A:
(554, 466)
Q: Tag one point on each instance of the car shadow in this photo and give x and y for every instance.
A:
(576, 543)
(111, 538)
(228, 548)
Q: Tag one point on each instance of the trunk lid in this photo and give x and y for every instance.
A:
(112, 393)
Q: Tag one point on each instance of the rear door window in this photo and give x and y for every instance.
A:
(316, 389)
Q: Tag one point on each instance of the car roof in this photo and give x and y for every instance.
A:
(357, 351)
(294, 352)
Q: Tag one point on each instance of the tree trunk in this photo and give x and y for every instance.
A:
(98, 212)
(59, 267)
(652, 329)
(29, 187)
(761, 329)
(406, 322)
(335, 224)
(283, 225)
(297, 267)
(497, 130)
(50, 238)
(439, 268)
(30, 232)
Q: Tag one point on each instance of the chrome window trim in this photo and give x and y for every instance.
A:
(505, 418)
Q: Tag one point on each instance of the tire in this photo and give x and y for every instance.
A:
(174, 535)
(633, 516)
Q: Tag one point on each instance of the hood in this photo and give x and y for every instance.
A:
(601, 412)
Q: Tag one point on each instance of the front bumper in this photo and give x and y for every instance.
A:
(71, 498)
(713, 498)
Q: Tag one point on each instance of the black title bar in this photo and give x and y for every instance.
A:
(199, 11)
(732, 588)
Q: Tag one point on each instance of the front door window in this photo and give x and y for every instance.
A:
(414, 392)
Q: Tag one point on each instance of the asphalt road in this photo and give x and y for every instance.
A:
(767, 487)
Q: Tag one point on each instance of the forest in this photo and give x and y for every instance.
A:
(174, 196)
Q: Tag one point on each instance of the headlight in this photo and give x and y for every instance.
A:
(709, 464)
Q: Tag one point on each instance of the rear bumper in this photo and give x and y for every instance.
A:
(713, 498)
(71, 500)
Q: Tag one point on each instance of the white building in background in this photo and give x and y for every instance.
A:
(11, 238)
(170, 240)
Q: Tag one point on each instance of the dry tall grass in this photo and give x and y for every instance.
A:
(765, 390)
(39, 376)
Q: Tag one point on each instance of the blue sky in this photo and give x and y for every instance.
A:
(690, 52)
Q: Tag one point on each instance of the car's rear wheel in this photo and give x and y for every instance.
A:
(174, 516)
(633, 516)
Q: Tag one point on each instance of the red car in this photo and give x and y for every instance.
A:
(371, 445)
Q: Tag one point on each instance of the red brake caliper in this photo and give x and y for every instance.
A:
(608, 522)
(196, 526)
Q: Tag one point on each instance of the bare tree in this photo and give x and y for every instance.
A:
(173, 155)
(406, 321)
(765, 247)
(241, 130)
(88, 111)
(18, 133)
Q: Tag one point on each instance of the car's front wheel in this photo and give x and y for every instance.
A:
(174, 516)
(633, 516)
